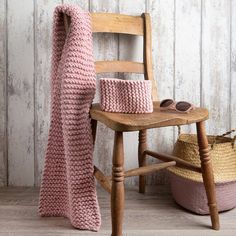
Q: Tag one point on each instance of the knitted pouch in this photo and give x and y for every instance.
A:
(127, 96)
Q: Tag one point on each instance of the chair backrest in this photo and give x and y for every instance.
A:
(132, 25)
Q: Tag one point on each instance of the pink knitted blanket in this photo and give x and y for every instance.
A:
(68, 186)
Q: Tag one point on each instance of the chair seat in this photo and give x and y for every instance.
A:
(135, 122)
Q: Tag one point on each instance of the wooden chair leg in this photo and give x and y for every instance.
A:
(207, 174)
(117, 192)
(94, 129)
(142, 146)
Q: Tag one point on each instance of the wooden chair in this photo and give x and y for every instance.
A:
(141, 25)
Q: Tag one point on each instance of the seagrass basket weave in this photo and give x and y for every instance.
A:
(187, 186)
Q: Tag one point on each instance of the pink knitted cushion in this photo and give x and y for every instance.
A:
(127, 96)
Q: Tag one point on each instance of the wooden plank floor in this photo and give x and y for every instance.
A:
(152, 214)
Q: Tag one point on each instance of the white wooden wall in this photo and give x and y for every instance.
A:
(194, 56)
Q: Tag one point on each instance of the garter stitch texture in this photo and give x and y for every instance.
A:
(127, 96)
(68, 185)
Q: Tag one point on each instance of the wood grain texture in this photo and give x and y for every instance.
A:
(145, 170)
(119, 66)
(233, 65)
(147, 55)
(20, 92)
(142, 146)
(131, 48)
(84, 4)
(102, 179)
(117, 23)
(207, 174)
(155, 213)
(117, 189)
(175, 34)
(162, 17)
(187, 50)
(43, 42)
(179, 162)
(3, 97)
(105, 48)
(216, 63)
(187, 53)
(134, 122)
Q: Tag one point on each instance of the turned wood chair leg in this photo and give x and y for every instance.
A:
(94, 130)
(117, 192)
(142, 146)
(207, 174)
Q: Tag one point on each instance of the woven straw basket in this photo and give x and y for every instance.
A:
(187, 186)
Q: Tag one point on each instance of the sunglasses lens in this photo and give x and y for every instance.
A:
(166, 103)
(183, 106)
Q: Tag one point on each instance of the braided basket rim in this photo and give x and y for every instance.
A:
(223, 158)
(221, 140)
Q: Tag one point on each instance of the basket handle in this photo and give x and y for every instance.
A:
(228, 133)
(225, 134)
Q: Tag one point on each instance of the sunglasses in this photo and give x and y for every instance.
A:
(182, 106)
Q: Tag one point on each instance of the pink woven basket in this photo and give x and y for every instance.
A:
(187, 186)
(126, 96)
(192, 195)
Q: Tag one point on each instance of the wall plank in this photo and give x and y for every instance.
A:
(43, 44)
(131, 47)
(162, 16)
(191, 60)
(187, 50)
(105, 48)
(20, 92)
(84, 4)
(233, 65)
(3, 68)
(43, 33)
(216, 63)
(187, 53)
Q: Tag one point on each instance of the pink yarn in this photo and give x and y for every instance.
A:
(68, 186)
(127, 96)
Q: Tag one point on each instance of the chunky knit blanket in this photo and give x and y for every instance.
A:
(68, 186)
